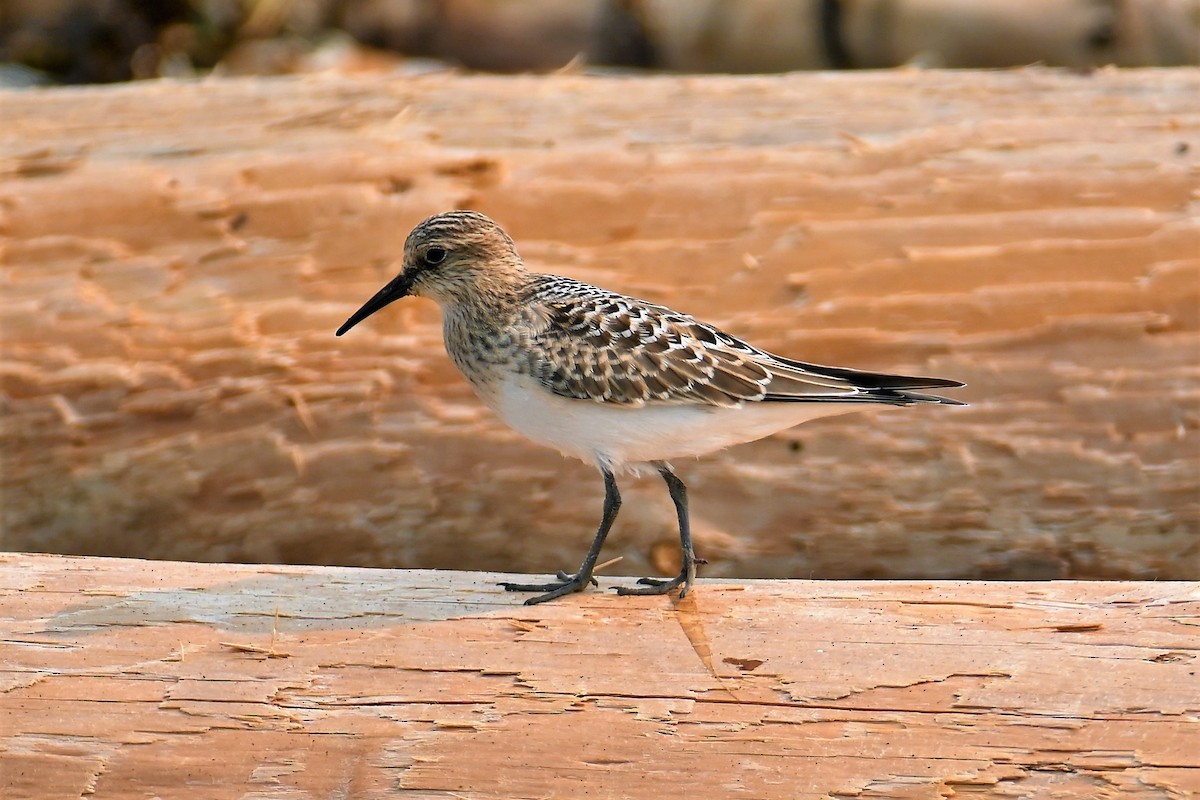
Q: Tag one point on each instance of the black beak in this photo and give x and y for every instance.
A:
(395, 290)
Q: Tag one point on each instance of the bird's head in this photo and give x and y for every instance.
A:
(456, 257)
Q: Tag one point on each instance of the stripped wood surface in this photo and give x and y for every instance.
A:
(174, 259)
(135, 679)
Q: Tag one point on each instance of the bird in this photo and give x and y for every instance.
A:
(620, 383)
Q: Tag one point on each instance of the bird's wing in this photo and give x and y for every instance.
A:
(582, 342)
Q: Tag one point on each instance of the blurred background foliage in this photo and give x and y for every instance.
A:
(101, 41)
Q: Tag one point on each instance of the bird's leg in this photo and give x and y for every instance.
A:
(688, 574)
(576, 583)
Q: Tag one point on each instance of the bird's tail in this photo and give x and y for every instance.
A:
(875, 387)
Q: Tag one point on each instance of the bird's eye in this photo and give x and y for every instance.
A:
(435, 255)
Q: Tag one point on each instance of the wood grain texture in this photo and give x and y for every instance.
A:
(176, 257)
(131, 679)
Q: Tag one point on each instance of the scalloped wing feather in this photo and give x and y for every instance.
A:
(583, 342)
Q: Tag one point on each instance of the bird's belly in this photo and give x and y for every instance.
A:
(614, 435)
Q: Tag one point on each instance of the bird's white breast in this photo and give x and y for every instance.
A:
(616, 435)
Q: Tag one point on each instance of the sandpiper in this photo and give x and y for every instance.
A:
(609, 379)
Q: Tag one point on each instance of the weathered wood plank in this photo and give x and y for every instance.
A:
(128, 679)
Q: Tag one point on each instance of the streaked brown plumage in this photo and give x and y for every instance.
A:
(608, 378)
(586, 343)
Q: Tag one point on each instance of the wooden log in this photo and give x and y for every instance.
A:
(679, 35)
(176, 258)
(129, 679)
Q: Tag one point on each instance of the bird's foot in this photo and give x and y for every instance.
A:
(566, 584)
(659, 586)
(664, 586)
